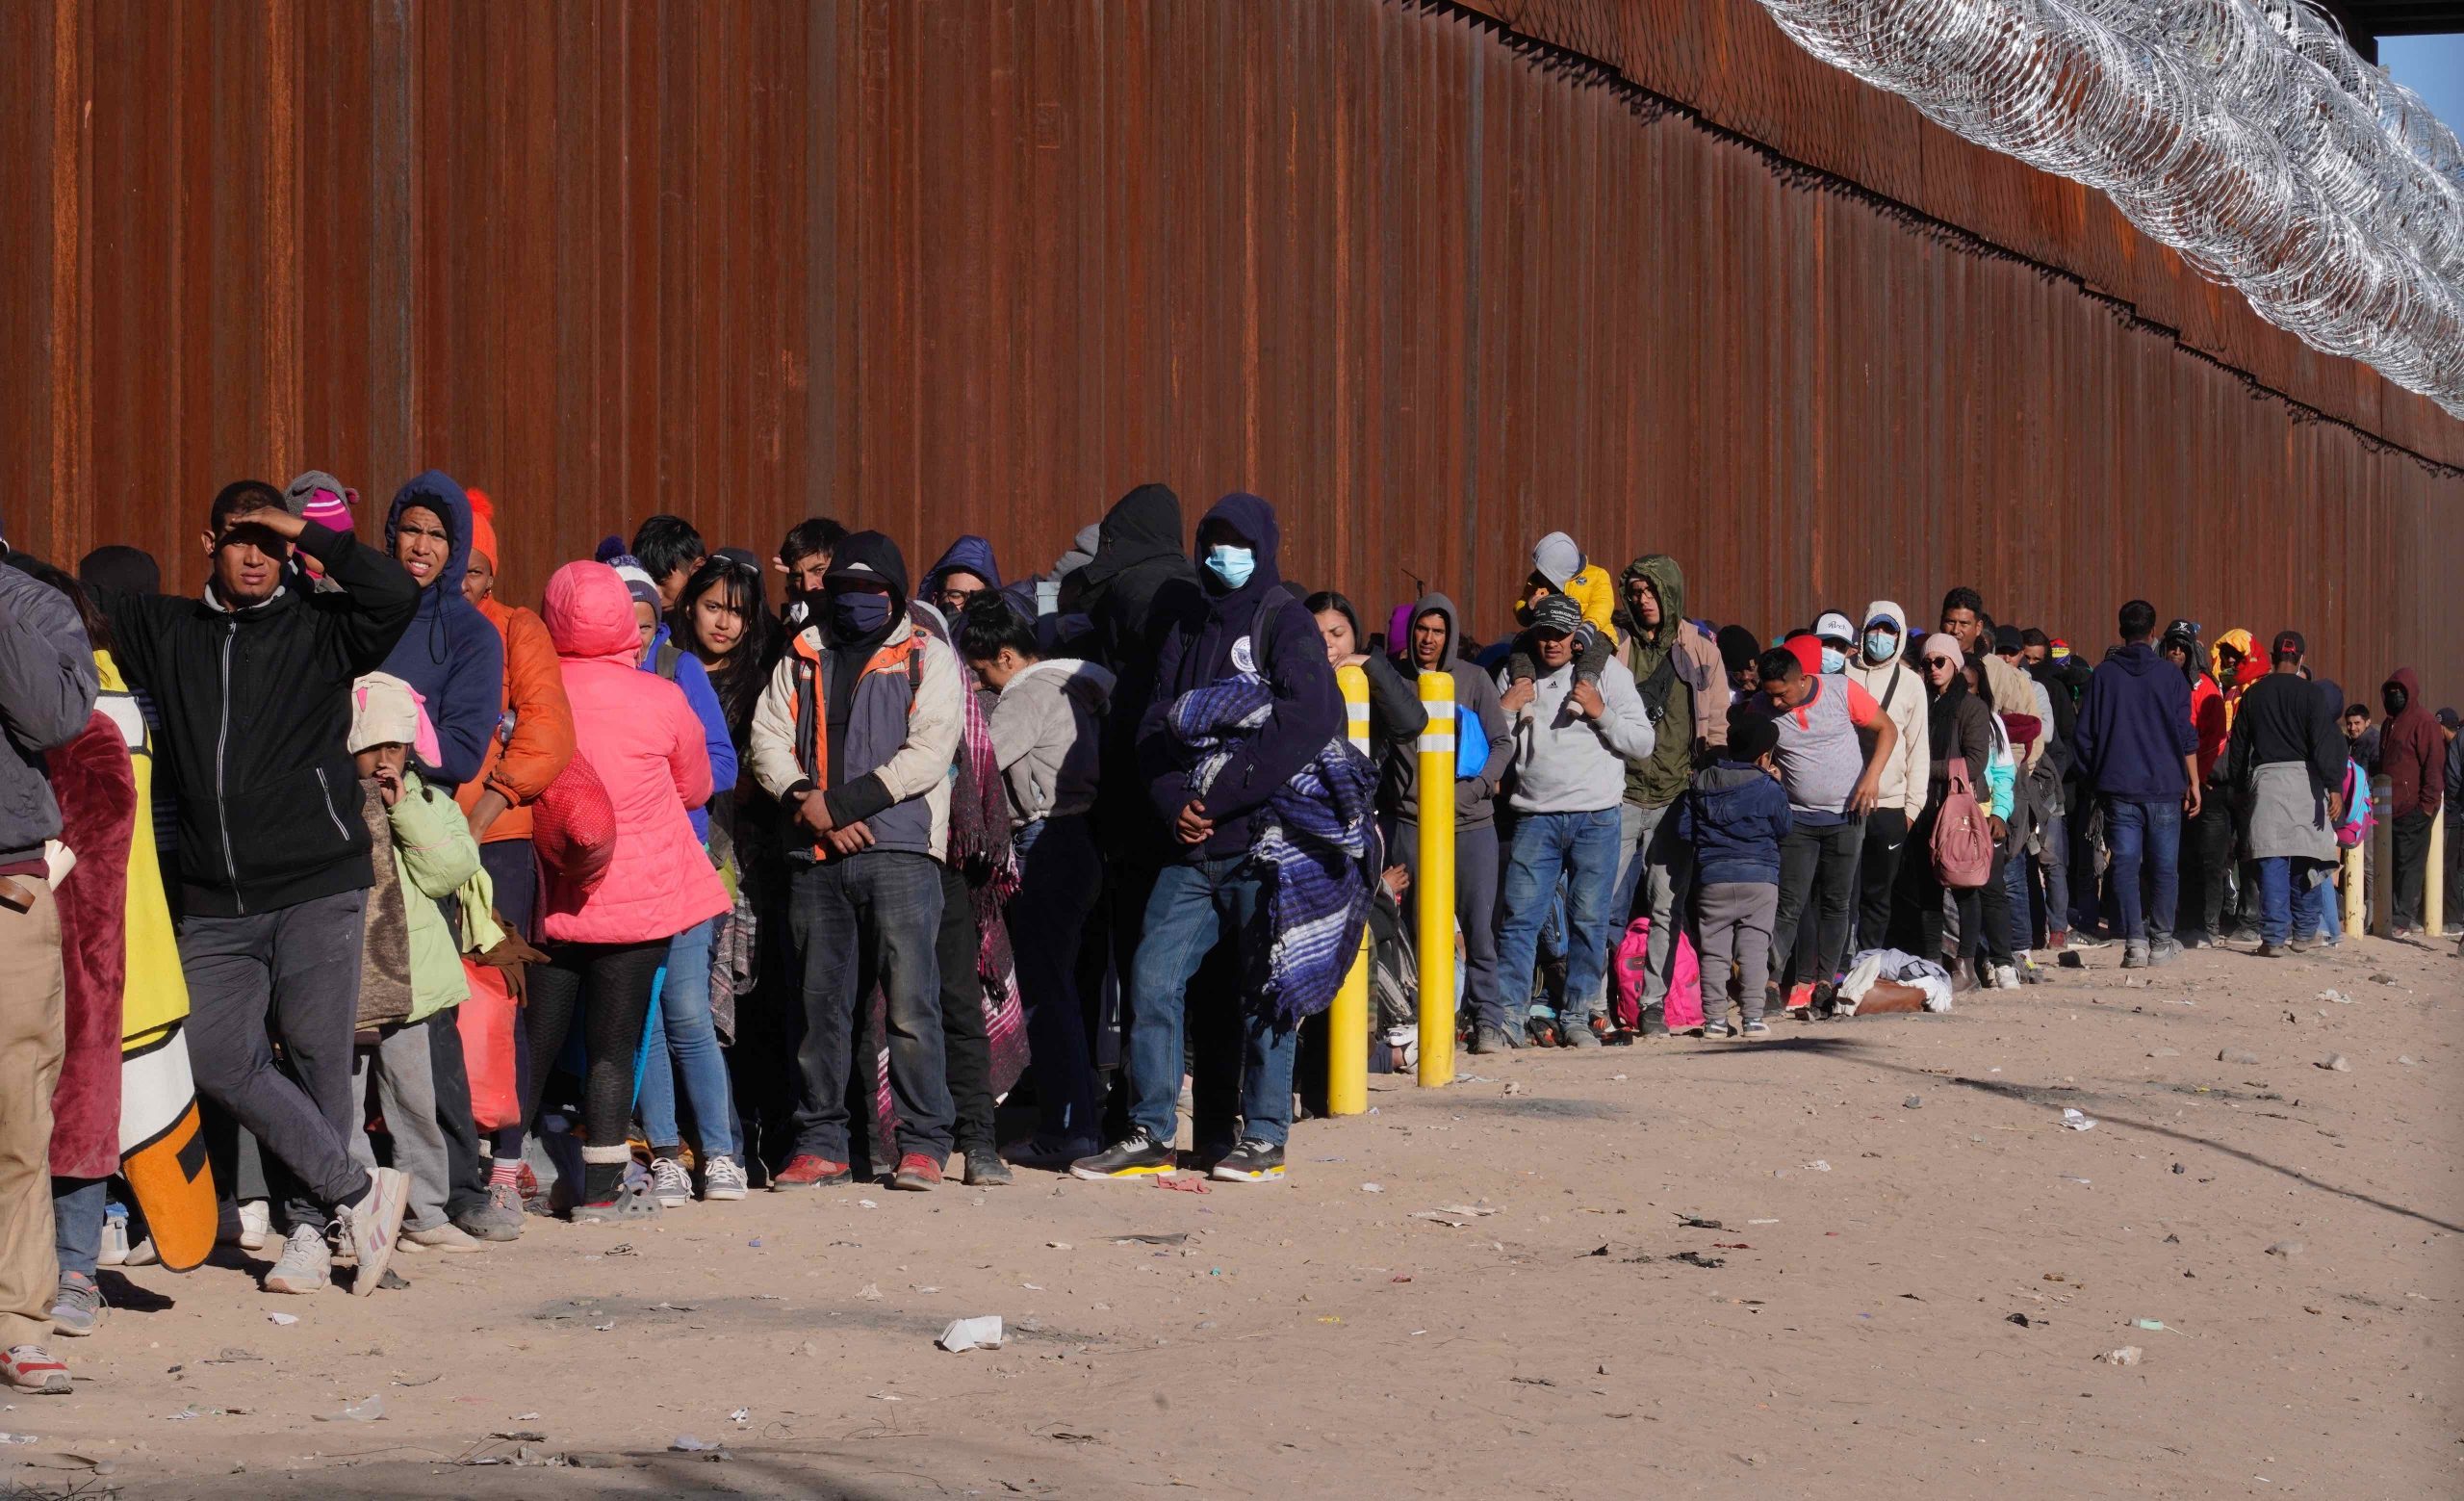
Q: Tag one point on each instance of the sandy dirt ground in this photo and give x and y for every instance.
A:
(1893, 1196)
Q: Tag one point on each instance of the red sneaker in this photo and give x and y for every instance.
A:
(2057, 939)
(805, 1170)
(916, 1173)
(29, 1368)
(1802, 997)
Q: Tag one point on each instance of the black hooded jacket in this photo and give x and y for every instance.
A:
(1140, 580)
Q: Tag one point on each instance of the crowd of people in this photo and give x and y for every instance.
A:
(662, 894)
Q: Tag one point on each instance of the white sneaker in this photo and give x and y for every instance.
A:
(115, 1245)
(144, 1254)
(372, 1226)
(256, 1225)
(722, 1179)
(2006, 977)
(670, 1184)
(448, 1236)
(306, 1263)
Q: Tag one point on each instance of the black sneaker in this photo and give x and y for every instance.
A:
(1253, 1161)
(1135, 1156)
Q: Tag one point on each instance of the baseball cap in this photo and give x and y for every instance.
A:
(2289, 645)
(1557, 613)
(1835, 627)
(2448, 717)
(2006, 640)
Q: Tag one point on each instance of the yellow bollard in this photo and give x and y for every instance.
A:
(1434, 888)
(1347, 1019)
(2434, 880)
(2353, 899)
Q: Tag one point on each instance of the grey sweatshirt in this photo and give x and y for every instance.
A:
(1043, 735)
(1565, 762)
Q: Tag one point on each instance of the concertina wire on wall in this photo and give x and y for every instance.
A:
(2246, 134)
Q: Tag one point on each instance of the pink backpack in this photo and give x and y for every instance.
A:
(1684, 1006)
(1963, 835)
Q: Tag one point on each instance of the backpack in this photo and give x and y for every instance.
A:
(1963, 835)
(1682, 1007)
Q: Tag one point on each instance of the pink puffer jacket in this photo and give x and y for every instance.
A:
(643, 742)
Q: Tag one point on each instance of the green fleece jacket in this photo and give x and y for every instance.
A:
(436, 857)
(1662, 777)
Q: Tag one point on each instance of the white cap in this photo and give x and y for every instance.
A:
(1835, 627)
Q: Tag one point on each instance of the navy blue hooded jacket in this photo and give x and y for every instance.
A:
(1734, 814)
(1212, 644)
(969, 554)
(2134, 727)
(451, 653)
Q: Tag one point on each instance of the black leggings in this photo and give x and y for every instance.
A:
(610, 985)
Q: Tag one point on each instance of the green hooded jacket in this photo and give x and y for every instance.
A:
(1659, 778)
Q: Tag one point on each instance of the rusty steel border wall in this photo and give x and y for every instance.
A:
(1433, 277)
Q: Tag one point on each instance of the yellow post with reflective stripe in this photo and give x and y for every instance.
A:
(2354, 899)
(1434, 887)
(1347, 1019)
(2434, 879)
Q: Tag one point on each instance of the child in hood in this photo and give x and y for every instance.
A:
(1733, 815)
(1559, 567)
(434, 857)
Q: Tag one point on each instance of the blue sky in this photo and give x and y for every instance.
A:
(2431, 67)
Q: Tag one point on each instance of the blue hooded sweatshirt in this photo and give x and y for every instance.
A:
(969, 554)
(2134, 727)
(695, 680)
(1212, 644)
(1735, 816)
(451, 653)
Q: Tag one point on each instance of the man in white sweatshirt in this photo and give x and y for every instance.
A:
(1878, 664)
(1572, 741)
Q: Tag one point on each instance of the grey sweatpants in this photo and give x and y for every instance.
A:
(297, 968)
(1736, 918)
(405, 1073)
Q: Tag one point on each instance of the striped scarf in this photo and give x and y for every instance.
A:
(1316, 840)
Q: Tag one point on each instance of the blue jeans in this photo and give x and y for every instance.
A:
(1581, 850)
(684, 1034)
(1058, 873)
(77, 1206)
(858, 922)
(2151, 832)
(2289, 901)
(1193, 909)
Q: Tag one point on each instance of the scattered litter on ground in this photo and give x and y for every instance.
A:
(1165, 1238)
(1912, 1102)
(286, 1320)
(870, 1292)
(1190, 1184)
(1817, 1165)
(2287, 1249)
(975, 1333)
(2338, 996)
(686, 1443)
(1373, 1188)
(1698, 1258)
(369, 1409)
(2336, 1063)
(2128, 1355)
(2074, 1120)
(1689, 1222)
(2019, 1319)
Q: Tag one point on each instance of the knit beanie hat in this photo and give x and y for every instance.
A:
(323, 499)
(1946, 646)
(484, 525)
(637, 578)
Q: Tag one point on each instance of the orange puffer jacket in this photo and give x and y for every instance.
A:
(520, 768)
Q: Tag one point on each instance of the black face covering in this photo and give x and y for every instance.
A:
(2396, 699)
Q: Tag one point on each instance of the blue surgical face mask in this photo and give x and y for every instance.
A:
(1880, 644)
(855, 615)
(1231, 564)
(1834, 660)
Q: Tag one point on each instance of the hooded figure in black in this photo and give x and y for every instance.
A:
(1139, 579)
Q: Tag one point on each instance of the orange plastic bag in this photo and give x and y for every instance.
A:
(487, 1021)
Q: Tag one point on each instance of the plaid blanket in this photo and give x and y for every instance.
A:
(1317, 842)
